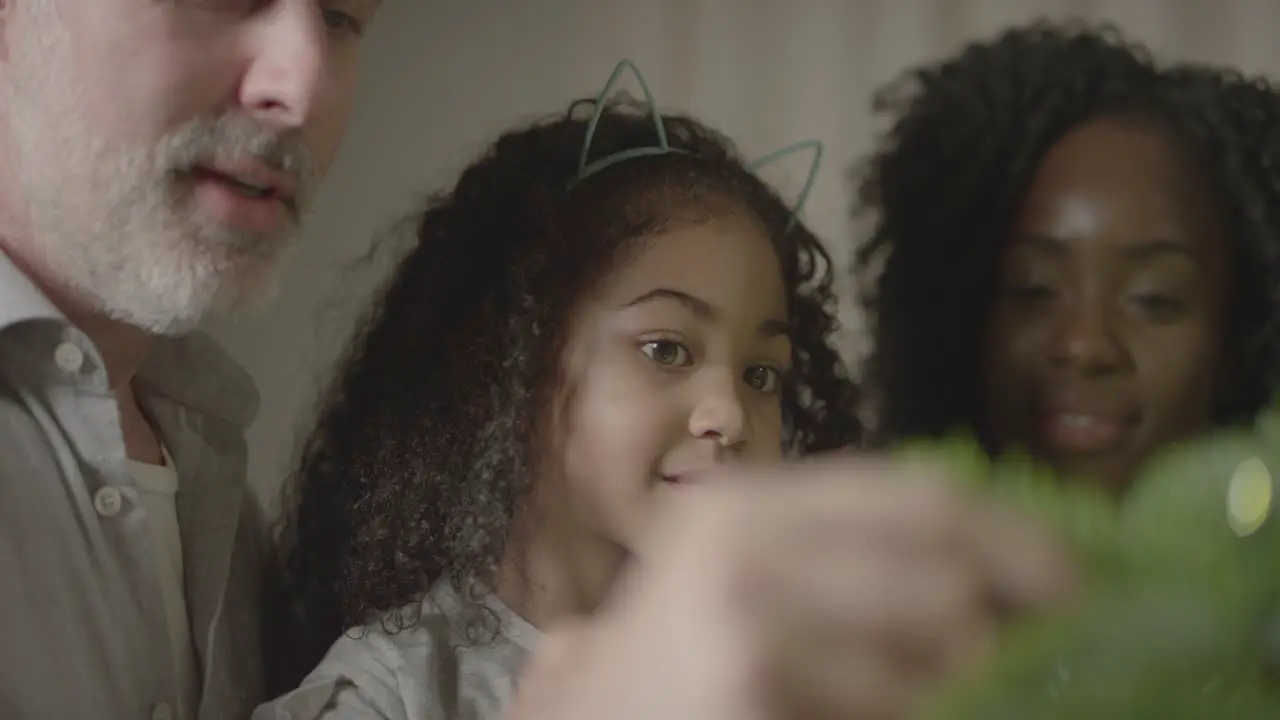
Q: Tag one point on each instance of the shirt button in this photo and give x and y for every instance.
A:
(107, 501)
(69, 357)
(162, 711)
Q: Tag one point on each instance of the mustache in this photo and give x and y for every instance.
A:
(235, 137)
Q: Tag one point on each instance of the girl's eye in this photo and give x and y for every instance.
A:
(667, 353)
(763, 378)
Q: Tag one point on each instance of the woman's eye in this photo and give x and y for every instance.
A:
(1162, 308)
(763, 378)
(1029, 293)
(667, 353)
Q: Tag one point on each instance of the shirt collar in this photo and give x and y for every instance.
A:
(192, 370)
(20, 299)
(195, 371)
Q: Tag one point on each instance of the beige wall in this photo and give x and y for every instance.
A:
(441, 77)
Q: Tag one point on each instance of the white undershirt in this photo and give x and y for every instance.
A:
(159, 487)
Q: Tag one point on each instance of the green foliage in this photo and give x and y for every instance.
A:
(1181, 617)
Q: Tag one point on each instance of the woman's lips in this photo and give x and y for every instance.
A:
(1080, 433)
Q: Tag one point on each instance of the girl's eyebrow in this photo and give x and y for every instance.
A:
(703, 309)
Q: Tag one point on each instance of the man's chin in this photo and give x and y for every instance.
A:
(181, 309)
(169, 322)
(245, 305)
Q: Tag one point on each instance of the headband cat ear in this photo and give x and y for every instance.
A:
(586, 169)
(662, 148)
(814, 165)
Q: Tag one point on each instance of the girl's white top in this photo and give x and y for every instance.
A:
(427, 671)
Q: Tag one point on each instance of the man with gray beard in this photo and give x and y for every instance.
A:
(155, 161)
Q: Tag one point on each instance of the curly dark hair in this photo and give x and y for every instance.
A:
(426, 447)
(967, 137)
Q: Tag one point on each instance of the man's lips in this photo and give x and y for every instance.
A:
(687, 477)
(250, 198)
(252, 179)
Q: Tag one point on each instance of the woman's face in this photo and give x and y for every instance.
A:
(1106, 336)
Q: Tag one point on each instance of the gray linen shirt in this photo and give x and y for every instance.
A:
(81, 612)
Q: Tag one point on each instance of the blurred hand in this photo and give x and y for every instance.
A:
(836, 588)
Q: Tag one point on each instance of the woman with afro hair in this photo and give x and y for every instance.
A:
(557, 352)
(1078, 250)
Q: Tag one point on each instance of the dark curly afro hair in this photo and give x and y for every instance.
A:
(967, 137)
(426, 447)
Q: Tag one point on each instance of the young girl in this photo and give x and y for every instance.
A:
(577, 333)
(1093, 239)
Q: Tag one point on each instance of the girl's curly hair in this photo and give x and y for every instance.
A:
(427, 445)
(967, 137)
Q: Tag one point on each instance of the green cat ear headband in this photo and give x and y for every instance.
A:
(586, 169)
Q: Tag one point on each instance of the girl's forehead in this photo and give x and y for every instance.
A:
(728, 256)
